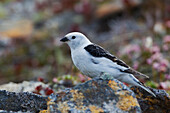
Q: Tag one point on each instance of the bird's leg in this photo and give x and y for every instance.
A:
(105, 76)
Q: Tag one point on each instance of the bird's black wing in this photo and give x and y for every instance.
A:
(98, 51)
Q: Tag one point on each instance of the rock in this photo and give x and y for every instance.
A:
(150, 104)
(94, 96)
(11, 101)
(25, 86)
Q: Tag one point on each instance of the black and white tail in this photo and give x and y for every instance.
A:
(133, 81)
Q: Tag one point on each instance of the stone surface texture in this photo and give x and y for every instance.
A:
(95, 96)
(23, 102)
(150, 104)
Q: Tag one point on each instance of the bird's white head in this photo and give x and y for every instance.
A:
(75, 40)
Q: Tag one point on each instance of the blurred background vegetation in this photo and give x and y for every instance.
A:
(137, 31)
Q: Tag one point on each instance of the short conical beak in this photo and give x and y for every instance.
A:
(65, 39)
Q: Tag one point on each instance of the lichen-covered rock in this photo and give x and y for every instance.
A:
(95, 96)
(150, 104)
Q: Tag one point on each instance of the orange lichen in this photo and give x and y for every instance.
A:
(126, 101)
(148, 98)
(77, 95)
(151, 107)
(78, 99)
(43, 111)
(95, 109)
(151, 100)
(50, 102)
(115, 86)
(138, 93)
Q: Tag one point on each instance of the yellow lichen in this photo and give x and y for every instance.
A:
(77, 95)
(78, 99)
(50, 102)
(126, 101)
(63, 107)
(43, 111)
(138, 93)
(150, 101)
(114, 85)
(95, 109)
(151, 108)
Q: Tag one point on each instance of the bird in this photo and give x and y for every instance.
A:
(93, 60)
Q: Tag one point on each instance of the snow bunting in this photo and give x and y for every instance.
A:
(92, 60)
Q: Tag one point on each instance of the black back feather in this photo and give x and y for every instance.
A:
(98, 51)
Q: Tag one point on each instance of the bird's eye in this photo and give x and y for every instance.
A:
(73, 37)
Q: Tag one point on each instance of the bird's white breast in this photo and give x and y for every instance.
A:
(82, 60)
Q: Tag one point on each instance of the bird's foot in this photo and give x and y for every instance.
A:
(106, 76)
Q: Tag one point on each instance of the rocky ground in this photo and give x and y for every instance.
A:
(93, 96)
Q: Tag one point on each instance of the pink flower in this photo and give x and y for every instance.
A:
(82, 78)
(162, 68)
(55, 80)
(155, 49)
(165, 85)
(164, 62)
(166, 39)
(167, 76)
(157, 56)
(149, 61)
(131, 48)
(165, 47)
(163, 65)
(156, 65)
(134, 48)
